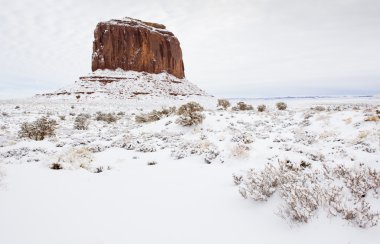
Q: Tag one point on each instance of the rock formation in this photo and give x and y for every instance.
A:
(131, 44)
(132, 58)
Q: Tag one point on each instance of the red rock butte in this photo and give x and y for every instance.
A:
(132, 44)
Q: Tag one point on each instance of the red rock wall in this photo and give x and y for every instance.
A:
(135, 45)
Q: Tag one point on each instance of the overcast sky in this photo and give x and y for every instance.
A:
(239, 48)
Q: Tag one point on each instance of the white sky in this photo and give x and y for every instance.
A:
(239, 48)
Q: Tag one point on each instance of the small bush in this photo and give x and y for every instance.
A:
(39, 129)
(155, 115)
(261, 108)
(82, 121)
(223, 104)
(190, 114)
(99, 170)
(56, 166)
(281, 106)
(372, 119)
(242, 106)
(106, 117)
(151, 163)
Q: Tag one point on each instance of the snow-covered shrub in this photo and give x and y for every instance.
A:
(244, 137)
(190, 114)
(319, 108)
(240, 151)
(223, 104)
(359, 180)
(301, 193)
(106, 117)
(75, 158)
(341, 190)
(281, 106)
(82, 121)
(242, 106)
(372, 119)
(261, 108)
(260, 185)
(155, 115)
(39, 129)
(238, 179)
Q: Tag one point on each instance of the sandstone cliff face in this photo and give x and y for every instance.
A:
(132, 44)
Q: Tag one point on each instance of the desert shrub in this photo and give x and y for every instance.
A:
(82, 121)
(244, 137)
(372, 119)
(151, 163)
(39, 129)
(240, 151)
(56, 166)
(99, 169)
(261, 108)
(75, 158)
(319, 108)
(241, 106)
(223, 104)
(341, 190)
(106, 117)
(190, 114)
(260, 185)
(281, 106)
(155, 115)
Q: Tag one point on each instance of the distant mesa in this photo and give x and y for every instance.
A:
(132, 44)
(133, 58)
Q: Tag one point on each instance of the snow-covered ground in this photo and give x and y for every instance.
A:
(188, 194)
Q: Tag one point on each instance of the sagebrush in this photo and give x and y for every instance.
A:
(39, 129)
(190, 114)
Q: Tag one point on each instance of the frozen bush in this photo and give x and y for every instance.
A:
(260, 185)
(155, 115)
(319, 108)
(39, 129)
(190, 114)
(240, 151)
(261, 108)
(281, 106)
(244, 137)
(75, 158)
(242, 106)
(106, 117)
(82, 121)
(223, 104)
(340, 190)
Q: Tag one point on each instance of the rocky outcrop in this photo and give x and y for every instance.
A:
(132, 44)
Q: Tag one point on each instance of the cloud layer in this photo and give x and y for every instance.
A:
(241, 48)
